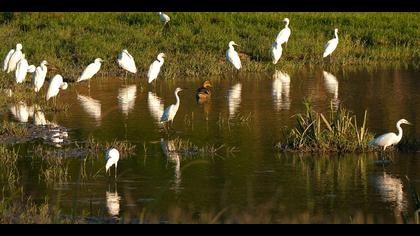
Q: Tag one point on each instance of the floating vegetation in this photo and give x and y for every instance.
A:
(94, 147)
(339, 133)
(186, 148)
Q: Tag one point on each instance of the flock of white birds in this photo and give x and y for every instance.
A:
(15, 62)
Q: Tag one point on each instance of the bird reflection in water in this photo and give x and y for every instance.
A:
(331, 83)
(169, 150)
(113, 202)
(126, 98)
(203, 97)
(92, 107)
(281, 91)
(155, 106)
(234, 99)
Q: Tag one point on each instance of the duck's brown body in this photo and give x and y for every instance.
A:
(203, 93)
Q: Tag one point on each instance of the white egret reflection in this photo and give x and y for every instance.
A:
(113, 203)
(127, 98)
(281, 91)
(156, 106)
(390, 190)
(91, 106)
(234, 99)
(331, 84)
(169, 150)
(21, 111)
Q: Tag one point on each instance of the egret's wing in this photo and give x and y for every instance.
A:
(7, 59)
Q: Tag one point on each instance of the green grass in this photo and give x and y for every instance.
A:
(195, 43)
(12, 128)
(338, 132)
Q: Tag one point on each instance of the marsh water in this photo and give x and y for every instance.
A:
(247, 180)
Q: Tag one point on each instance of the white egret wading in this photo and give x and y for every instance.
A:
(56, 84)
(284, 34)
(170, 112)
(38, 77)
(331, 45)
(391, 138)
(126, 61)
(164, 18)
(232, 56)
(276, 51)
(90, 70)
(112, 156)
(12, 58)
(154, 68)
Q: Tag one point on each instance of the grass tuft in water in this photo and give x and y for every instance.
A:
(12, 129)
(339, 132)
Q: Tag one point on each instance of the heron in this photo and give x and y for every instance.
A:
(232, 56)
(389, 139)
(22, 69)
(170, 112)
(112, 156)
(56, 84)
(331, 45)
(90, 70)
(12, 58)
(284, 34)
(38, 77)
(126, 61)
(154, 68)
(164, 18)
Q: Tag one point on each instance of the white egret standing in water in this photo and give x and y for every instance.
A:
(391, 138)
(90, 70)
(126, 61)
(56, 84)
(170, 112)
(232, 56)
(38, 77)
(154, 68)
(276, 51)
(14, 58)
(331, 45)
(112, 156)
(284, 34)
(164, 18)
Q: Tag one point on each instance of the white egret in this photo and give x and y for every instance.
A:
(22, 69)
(126, 61)
(170, 112)
(276, 51)
(14, 58)
(154, 68)
(56, 84)
(388, 139)
(91, 106)
(232, 56)
(7, 59)
(284, 34)
(164, 18)
(155, 105)
(112, 156)
(90, 70)
(127, 98)
(234, 99)
(331, 45)
(38, 77)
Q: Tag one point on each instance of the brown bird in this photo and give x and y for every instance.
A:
(204, 93)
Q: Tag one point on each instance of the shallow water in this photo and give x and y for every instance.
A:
(255, 183)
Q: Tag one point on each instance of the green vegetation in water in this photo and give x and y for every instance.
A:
(339, 133)
(195, 43)
(12, 128)
(124, 147)
(186, 148)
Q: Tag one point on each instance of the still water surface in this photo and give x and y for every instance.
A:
(254, 184)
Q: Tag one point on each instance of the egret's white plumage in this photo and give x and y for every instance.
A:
(22, 69)
(284, 34)
(331, 44)
(112, 156)
(56, 84)
(232, 56)
(276, 51)
(127, 98)
(7, 59)
(156, 106)
(164, 18)
(39, 116)
(38, 77)
(170, 112)
(154, 68)
(15, 58)
(90, 70)
(126, 61)
(391, 138)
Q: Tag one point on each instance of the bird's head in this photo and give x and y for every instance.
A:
(404, 121)
(178, 90)
(44, 62)
(232, 43)
(286, 20)
(31, 69)
(98, 60)
(161, 55)
(207, 84)
(64, 86)
(19, 46)
(336, 30)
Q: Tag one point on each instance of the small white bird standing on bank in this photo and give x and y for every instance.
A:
(164, 18)
(112, 156)
(331, 45)
(13, 58)
(56, 84)
(22, 69)
(170, 112)
(38, 77)
(126, 61)
(90, 70)
(284, 34)
(391, 138)
(232, 56)
(276, 51)
(154, 68)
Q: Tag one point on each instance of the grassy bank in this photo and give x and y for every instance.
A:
(195, 43)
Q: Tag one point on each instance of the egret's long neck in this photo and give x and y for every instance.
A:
(160, 60)
(177, 98)
(287, 25)
(400, 131)
(336, 35)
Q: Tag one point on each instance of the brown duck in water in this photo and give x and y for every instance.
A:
(204, 93)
